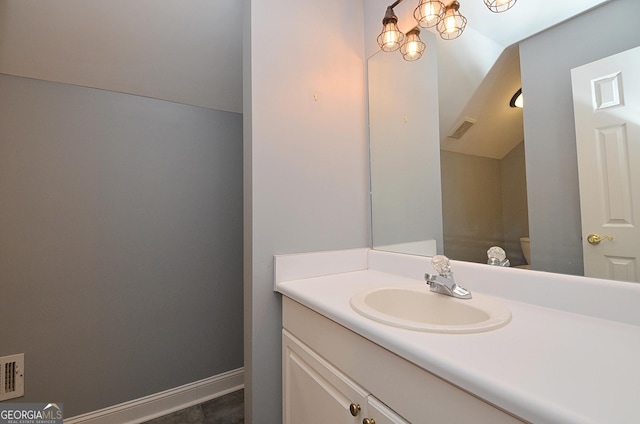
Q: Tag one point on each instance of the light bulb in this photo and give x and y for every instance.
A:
(390, 36)
(413, 48)
(450, 23)
(430, 12)
(453, 23)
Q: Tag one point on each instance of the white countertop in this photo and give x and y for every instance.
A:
(546, 366)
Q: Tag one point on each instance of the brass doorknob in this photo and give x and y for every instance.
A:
(354, 408)
(368, 421)
(596, 239)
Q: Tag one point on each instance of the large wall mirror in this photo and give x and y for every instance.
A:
(514, 173)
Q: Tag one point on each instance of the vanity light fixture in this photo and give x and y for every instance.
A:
(499, 6)
(453, 23)
(429, 13)
(413, 47)
(447, 20)
(517, 100)
(391, 38)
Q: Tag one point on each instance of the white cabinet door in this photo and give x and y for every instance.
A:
(314, 392)
(381, 413)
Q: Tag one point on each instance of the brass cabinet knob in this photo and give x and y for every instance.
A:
(596, 239)
(354, 408)
(368, 421)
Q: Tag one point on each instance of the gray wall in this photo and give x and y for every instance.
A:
(484, 204)
(404, 147)
(305, 161)
(546, 61)
(471, 206)
(120, 242)
(514, 203)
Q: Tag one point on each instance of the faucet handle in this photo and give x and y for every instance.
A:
(497, 256)
(441, 265)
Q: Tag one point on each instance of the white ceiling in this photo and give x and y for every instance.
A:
(498, 128)
(524, 19)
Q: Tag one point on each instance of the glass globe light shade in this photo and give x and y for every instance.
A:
(413, 47)
(429, 13)
(453, 23)
(391, 38)
(499, 6)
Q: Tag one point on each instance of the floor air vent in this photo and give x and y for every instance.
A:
(11, 376)
(462, 128)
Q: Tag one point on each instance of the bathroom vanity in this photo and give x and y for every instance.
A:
(562, 358)
(333, 375)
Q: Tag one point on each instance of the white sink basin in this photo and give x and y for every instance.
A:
(415, 307)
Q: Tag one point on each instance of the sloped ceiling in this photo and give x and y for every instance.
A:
(186, 51)
(498, 128)
(189, 51)
(479, 72)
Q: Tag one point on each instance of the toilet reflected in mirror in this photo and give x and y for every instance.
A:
(526, 250)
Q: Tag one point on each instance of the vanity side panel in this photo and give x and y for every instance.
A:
(414, 393)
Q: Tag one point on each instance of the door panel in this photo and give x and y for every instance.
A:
(315, 392)
(606, 97)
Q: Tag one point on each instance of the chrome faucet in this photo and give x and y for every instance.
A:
(443, 282)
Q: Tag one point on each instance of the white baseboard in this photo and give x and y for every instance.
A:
(156, 405)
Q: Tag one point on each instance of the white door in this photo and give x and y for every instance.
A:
(606, 99)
